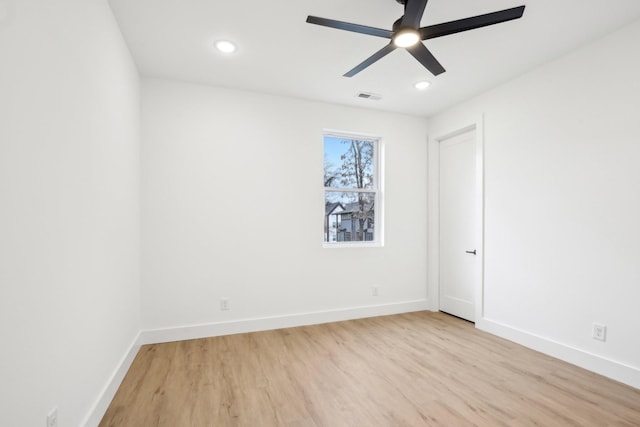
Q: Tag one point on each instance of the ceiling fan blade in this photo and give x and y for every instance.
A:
(426, 58)
(452, 27)
(370, 60)
(347, 26)
(413, 11)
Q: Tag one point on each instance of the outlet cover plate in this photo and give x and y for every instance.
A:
(599, 332)
(52, 418)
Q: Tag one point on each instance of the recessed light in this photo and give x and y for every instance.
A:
(422, 84)
(405, 38)
(225, 46)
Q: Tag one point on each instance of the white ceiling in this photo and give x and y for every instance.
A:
(279, 53)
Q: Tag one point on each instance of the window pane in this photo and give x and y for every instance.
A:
(349, 217)
(349, 163)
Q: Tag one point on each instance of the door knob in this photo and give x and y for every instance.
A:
(471, 252)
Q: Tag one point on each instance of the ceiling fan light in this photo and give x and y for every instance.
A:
(405, 38)
(225, 46)
(422, 84)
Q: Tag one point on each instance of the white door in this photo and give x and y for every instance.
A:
(457, 225)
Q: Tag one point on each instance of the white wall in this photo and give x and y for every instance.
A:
(233, 207)
(69, 208)
(562, 204)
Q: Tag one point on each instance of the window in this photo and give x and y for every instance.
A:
(352, 190)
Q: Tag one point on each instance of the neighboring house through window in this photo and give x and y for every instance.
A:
(352, 190)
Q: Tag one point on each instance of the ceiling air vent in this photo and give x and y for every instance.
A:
(371, 96)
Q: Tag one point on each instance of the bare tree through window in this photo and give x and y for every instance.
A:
(351, 188)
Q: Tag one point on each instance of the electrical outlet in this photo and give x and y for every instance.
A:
(52, 418)
(599, 332)
(375, 290)
(224, 304)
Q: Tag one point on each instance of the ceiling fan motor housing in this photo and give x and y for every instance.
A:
(396, 25)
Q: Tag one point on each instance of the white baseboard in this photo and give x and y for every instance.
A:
(276, 322)
(108, 392)
(609, 368)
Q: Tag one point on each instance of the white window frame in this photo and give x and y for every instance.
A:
(377, 190)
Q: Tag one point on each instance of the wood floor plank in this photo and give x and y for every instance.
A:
(415, 369)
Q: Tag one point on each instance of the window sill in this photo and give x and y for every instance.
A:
(343, 245)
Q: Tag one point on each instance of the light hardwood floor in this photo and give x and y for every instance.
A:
(416, 369)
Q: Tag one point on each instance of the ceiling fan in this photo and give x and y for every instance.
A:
(406, 32)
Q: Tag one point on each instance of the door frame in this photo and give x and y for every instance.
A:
(433, 211)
